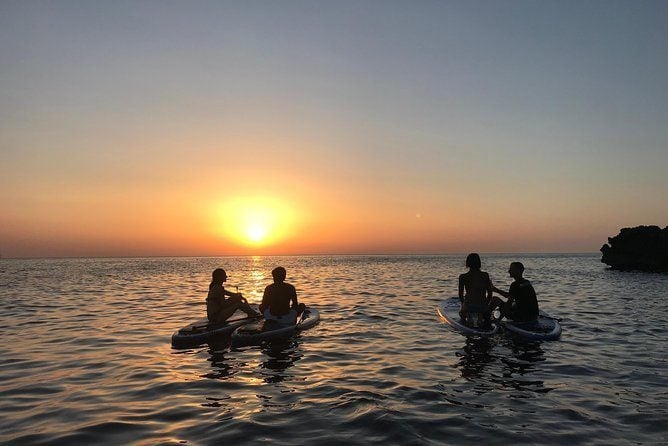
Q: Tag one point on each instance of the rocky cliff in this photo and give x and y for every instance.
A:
(641, 248)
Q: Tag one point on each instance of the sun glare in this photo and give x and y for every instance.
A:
(256, 232)
(256, 221)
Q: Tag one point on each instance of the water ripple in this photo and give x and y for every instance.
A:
(92, 363)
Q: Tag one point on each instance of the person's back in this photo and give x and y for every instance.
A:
(475, 290)
(215, 301)
(525, 306)
(278, 296)
(279, 302)
(476, 286)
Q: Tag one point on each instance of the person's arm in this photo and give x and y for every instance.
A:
(293, 298)
(490, 288)
(265, 300)
(532, 294)
(512, 290)
(501, 292)
(237, 295)
(213, 305)
(461, 288)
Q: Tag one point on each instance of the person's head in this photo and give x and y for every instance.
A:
(278, 274)
(473, 261)
(219, 275)
(516, 270)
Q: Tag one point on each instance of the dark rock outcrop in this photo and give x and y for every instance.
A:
(642, 248)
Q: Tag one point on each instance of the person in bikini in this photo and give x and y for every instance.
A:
(218, 307)
(475, 291)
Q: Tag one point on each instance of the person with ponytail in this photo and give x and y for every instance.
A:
(218, 307)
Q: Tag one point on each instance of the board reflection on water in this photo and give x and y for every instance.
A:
(279, 356)
(473, 358)
(504, 362)
(276, 358)
(222, 365)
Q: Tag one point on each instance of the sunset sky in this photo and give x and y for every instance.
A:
(290, 127)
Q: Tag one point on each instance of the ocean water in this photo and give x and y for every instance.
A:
(86, 357)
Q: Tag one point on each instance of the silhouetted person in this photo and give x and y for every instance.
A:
(279, 302)
(475, 292)
(522, 304)
(218, 308)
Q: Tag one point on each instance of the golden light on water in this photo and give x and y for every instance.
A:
(255, 221)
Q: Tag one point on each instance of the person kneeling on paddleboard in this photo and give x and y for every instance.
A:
(279, 302)
(475, 291)
(522, 304)
(218, 309)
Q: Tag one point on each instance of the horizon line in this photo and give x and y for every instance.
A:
(396, 254)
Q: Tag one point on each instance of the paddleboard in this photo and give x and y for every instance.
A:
(201, 331)
(449, 310)
(264, 330)
(545, 328)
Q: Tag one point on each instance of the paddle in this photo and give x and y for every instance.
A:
(558, 319)
(220, 324)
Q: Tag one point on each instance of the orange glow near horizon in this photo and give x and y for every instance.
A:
(255, 221)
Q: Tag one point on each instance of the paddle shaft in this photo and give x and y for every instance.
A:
(218, 324)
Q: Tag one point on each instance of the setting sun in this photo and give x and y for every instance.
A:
(256, 232)
(255, 221)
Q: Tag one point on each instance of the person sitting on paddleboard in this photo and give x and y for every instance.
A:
(218, 308)
(279, 302)
(475, 290)
(522, 305)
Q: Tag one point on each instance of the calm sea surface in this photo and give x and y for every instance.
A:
(86, 357)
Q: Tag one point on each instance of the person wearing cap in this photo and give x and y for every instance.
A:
(279, 302)
(218, 307)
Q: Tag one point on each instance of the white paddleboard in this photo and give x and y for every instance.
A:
(449, 311)
(545, 328)
(264, 330)
(202, 331)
